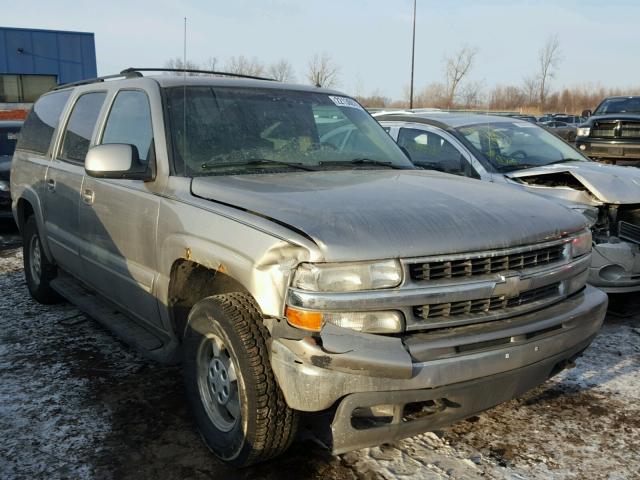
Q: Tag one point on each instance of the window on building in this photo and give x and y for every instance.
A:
(24, 88)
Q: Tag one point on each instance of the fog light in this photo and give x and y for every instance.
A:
(582, 147)
(611, 273)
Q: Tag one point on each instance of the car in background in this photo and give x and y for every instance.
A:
(563, 130)
(517, 153)
(9, 130)
(528, 118)
(612, 131)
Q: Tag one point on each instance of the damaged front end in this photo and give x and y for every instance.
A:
(610, 201)
(479, 329)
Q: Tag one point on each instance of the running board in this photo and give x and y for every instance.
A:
(150, 344)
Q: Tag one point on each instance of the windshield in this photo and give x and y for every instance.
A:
(8, 140)
(222, 130)
(618, 105)
(515, 145)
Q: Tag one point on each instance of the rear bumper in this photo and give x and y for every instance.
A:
(500, 365)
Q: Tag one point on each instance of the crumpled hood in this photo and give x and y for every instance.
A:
(607, 183)
(374, 214)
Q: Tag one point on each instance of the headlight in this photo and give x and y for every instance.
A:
(590, 213)
(348, 277)
(4, 186)
(581, 244)
(583, 131)
(367, 322)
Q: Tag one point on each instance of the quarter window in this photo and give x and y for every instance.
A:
(43, 119)
(130, 122)
(82, 121)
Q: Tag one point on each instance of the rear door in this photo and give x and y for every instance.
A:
(119, 217)
(63, 181)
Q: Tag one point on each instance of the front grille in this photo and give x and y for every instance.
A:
(615, 129)
(439, 311)
(470, 267)
(629, 231)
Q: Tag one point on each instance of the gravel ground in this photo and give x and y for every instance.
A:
(77, 403)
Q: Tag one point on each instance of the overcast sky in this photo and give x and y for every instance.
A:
(369, 39)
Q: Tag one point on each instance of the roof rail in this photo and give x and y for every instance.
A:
(123, 74)
(190, 70)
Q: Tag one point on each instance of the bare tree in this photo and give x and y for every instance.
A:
(531, 88)
(457, 67)
(179, 64)
(281, 71)
(323, 72)
(211, 64)
(548, 60)
(242, 65)
(471, 95)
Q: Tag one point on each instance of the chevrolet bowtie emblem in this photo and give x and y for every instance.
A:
(509, 286)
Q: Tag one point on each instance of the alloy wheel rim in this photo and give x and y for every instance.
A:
(35, 263)
(218, 383)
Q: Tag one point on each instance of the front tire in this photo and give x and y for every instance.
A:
(239, 408)
(38, 270)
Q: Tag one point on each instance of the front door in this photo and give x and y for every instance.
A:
(119, 217)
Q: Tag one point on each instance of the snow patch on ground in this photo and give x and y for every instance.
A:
(75, 402)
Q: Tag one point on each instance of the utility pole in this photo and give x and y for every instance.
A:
(413, 57)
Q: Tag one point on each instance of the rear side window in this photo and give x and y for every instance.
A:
(130, 122)
(42, 121)
(82, 121)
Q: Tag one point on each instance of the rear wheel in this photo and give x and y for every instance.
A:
(38, 270)
(239, 408)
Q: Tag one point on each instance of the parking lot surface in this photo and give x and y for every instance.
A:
(75, 402)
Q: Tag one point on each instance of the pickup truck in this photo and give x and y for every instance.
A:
(301, 278)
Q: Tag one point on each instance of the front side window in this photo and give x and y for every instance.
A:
(41, 122)
(509, 146)
(129, 122)
(219, 130)
(77, 135)
(430, 150)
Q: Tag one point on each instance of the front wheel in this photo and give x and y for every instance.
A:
(38, 270)
(238, 406)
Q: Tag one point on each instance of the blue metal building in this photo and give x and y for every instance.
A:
(32, 61)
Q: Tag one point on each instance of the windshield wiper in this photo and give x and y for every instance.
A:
(565, 160)
(363, 161)
(256, 162)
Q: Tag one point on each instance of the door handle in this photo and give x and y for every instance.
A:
(88, 196)
(51, 184)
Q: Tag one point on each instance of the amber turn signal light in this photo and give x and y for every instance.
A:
(304, 319)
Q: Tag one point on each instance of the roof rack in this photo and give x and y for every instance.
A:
(123, 74)
(135, 73)
(190, 70)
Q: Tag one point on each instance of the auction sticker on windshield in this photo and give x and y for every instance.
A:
(345, 102)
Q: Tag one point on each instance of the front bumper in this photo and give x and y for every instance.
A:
(505, 359)
(615, 267)
(608, 149)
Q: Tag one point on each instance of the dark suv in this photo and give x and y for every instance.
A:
(8, 138)
(612, 131)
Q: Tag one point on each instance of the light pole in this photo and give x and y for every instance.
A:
(413, 57)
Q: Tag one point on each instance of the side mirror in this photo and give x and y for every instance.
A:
(587, 113)
(118, 161)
